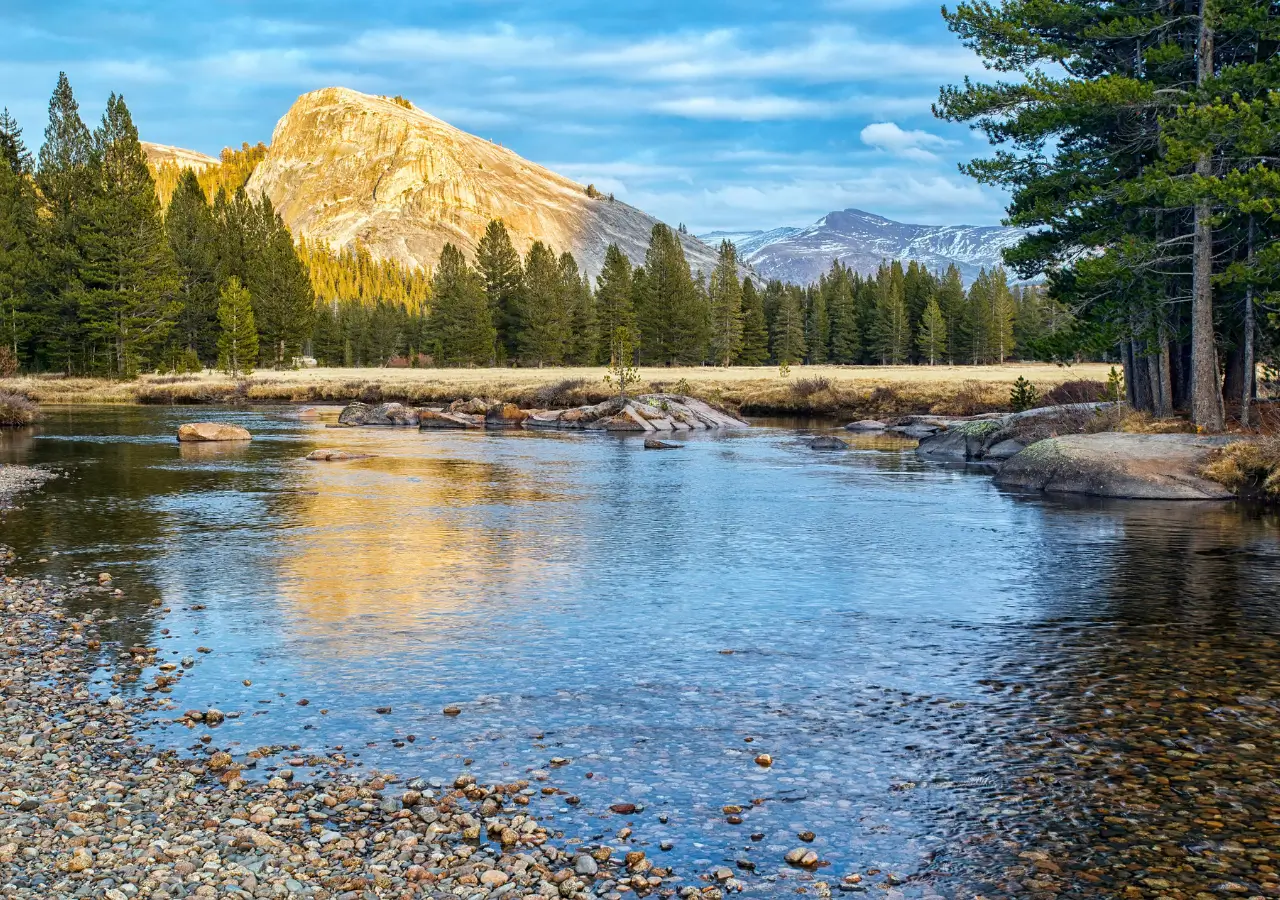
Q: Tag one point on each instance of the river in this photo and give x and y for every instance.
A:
(962, 690)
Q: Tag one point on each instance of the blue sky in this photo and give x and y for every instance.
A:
(721, 115)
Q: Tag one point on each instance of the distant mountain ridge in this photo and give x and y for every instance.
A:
(862, 240)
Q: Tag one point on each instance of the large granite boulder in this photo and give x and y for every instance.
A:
(195, 432)
(1117, 464)
(827, 442)
(999, 437)
(356, 413)
(394, 414)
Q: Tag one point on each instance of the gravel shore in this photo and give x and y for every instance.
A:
(15, 479)
(89, 809)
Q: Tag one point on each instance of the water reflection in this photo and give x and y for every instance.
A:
(949, 677)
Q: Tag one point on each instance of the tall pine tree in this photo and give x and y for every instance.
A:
(726, 307)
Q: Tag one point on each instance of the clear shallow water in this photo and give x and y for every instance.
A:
(946, 675)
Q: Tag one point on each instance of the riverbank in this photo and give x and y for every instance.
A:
(847, 392)
(92, 809)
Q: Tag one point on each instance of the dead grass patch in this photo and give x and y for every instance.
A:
(1249, 468)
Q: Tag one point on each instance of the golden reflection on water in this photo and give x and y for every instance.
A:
(383, 538)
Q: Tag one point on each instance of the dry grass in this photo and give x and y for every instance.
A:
(852, 391)
(1250, 468)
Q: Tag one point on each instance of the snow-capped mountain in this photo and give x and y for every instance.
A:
(862, 240)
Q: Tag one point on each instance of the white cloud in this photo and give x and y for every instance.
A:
(913, 144)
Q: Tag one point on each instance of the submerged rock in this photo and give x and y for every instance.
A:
(1109, 464)
(866, 425)
(655, 444)
(827, 442)
(212, 431)
(336, 455)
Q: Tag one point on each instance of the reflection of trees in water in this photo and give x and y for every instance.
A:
(1140, 747)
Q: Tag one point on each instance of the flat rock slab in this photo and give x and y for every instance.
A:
(195, 432)
(866, 425)
(336, 455)
(1112, 464)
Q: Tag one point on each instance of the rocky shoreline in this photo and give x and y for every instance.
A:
(91, 809)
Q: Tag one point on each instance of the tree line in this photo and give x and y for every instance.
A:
(111, 267)
(1139, 140)
(541, 310)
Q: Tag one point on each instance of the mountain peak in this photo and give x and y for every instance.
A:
(863, 240)
(345, 166)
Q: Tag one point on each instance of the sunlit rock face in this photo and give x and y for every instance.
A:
(345, 166)
(160, 154)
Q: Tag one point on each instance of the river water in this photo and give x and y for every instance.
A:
(962, 690)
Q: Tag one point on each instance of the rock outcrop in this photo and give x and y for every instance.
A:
(197, 432)
(162, 154)
(387, 414)
(994, 438)
(345, 167)
(1115, 464)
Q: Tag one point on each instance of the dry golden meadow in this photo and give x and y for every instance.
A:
(806, 390)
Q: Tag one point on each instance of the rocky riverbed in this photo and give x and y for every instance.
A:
(91, 809)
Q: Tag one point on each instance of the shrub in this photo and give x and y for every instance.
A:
(558, 395)
(1082, 390)
(805, 388)
(1248, 467)
(16, 409)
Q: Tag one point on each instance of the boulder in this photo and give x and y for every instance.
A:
(308, 413)
(429, 419)
(866, 425)
(356, 413)
(336, 455)
(475, 406)
(655, 444)
(827, 442)
(395, 414)
(978, 438)
(504, 415)
(1117, 464)
(212, 431)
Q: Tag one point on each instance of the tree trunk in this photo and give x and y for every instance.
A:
(1141, 379)
(1206, 389)
(1126, 361)
(1250, 364)
(1166, 377)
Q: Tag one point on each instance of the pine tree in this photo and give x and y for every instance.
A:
(499, 266)
(932, 337)
(18, 230)
(817, 324)
(726, 307)
(461, 324)
(672, 316)
(193, 236)
(129, 286)
(837, 288)
(614, 291)
(755, 332)
(582, 341)
(953, 303)
(278, 282)
(65, 186)
(238, 335)
(545, 313)
(893, 323)
(788, 326)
